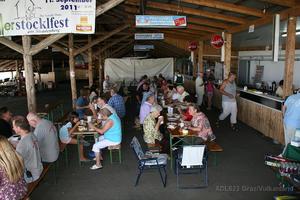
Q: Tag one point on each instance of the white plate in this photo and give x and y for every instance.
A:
(172, 119)
(171, 127)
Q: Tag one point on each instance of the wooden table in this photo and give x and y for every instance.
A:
(177, 133)
(78, 135)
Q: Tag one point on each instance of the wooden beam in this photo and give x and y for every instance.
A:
(90, 62)
(121, 47)
(227, 62)
(61, 49)
(98, 40)
(29, 79)
(102, 49)
(191, 11)
(45, 43)
(295, 11)
(287, 3)
(226, 6)
(200, 56)
(12, 45)
(203, 28)
(194, 20)
(72, 71)
(107, 6)
(289, 56)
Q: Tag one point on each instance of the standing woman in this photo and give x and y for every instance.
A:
(12, 183)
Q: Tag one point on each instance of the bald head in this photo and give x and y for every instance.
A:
(33, 119)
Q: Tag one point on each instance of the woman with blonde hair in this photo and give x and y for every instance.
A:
(12, 183)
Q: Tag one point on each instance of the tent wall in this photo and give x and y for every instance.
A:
(133, 69)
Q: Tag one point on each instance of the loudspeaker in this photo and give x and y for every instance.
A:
(276, 37)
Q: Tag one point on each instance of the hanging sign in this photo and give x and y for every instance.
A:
(217, 41)
(160, 21)
(148, 36)
(37, 17)
(193, 46)
(144, 47)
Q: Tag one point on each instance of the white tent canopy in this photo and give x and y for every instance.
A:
(129, 69)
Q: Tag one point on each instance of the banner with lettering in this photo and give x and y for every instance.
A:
(37, 17)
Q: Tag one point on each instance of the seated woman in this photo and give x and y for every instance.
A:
(151, 127)
(66, 136)
(111, 134)
(12, 183)
(186, 116)
(200, 124)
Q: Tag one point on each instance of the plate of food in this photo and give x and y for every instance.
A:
(82, 128)
(172, 119)
(171, 126)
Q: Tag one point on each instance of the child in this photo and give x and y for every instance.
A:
(209, 92)
(66, 136)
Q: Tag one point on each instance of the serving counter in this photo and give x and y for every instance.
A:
(259, 111)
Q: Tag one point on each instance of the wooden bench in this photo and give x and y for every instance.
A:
(62, 146)
(116, 148)
(31, 186)
(214, 147)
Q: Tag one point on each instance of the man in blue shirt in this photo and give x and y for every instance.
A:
(117, 102)
(291, 117)
(82, 103)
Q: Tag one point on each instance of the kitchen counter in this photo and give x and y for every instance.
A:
(259, 111)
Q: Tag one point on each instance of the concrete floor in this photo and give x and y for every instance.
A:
(240, 167)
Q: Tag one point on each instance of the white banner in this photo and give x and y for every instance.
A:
(129, 69)
(36, 17)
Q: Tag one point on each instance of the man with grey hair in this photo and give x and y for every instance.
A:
(180, 94)
(151, 127)
(46, 134)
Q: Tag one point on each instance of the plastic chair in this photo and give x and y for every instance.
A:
(193, 160)
(149, 161)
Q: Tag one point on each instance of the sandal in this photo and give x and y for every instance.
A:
(95, 167)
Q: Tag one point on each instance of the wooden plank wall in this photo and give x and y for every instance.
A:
(266, 120)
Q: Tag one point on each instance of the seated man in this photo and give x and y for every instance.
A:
(46, 135)
(180, 95)
(82, 103)
(5, 126)
(28, 148)
(101, 102)
(111, 134)
(146, 107)
(107, 84)
(117, 102)
(151, 127)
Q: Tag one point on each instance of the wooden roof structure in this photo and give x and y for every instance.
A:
(115, 28)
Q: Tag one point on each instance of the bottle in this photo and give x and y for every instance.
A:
(273, 87)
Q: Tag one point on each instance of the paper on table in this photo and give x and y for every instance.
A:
(192, 155)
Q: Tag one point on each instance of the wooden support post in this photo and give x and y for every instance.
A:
(289, 56)
(72, 71)
(29, 79)
(100, 73)
(18, 75)
(200, 57)
(52, 65)
(90, 61)
(227, 62)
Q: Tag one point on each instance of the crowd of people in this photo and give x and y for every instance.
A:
(26, 143)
